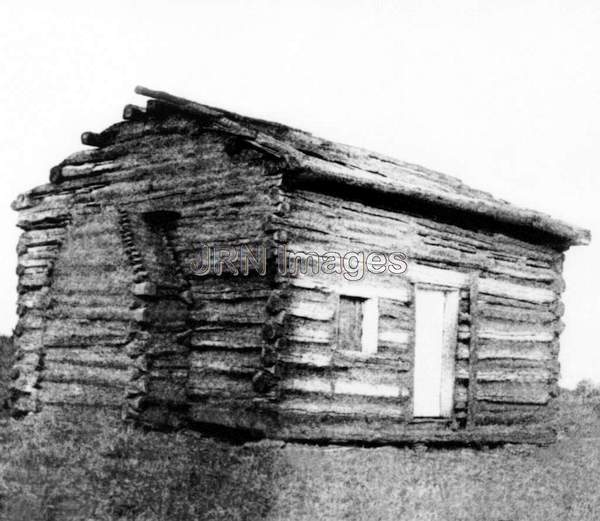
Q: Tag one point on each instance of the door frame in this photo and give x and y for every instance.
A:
(448, 350)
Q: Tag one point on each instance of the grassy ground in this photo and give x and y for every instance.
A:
(86, 466)
(7, 354)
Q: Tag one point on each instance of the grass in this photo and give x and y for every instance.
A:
(90, 467)
(83, 465)
(54, 468)
(7, 355)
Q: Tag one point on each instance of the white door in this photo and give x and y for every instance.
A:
(435, 347)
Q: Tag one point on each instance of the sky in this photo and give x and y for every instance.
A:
(504, 95)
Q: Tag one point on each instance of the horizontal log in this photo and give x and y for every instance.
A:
(395, 311)
(114, 314)
(83, 340)
(43, 219)
(499, 408)
(35, 299)
(164, 314)
(80, 394)
(234, 336)
(517, 336)
(306, 359)
(97, 140)
(23, 202)
(508, 373)
(516, 314)
(60, 173)
(134, 113)
(250, 311)
(350, 408)
(316, 384)
(353, 387)
(201, 385)
(390, 431)
(500, 349)
(38, 238)
(397, 337)
(89, 285)
(342, 287)
(29, 281)
(304, 331)
(75, 298)
(516, 291)
(311, 310)
(223, 362)
(385, 369)
(398, 361)
(532, 393)
(215, 288)
(177, 373)
(33, 320)
(67, 372)
(44, 252)
(162, 343)
(29, 340)
(490, 413)
(418, 273)
(105, 357)
(234, 414)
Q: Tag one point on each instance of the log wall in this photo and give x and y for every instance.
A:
(506, 357)
(111, 310)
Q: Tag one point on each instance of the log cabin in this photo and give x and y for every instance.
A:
(408, 307)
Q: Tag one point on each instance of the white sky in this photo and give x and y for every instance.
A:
(505, 95)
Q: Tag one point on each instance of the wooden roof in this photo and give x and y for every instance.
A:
(314, 158)
(323, 163)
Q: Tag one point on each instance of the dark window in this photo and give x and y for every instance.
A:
(350, 323)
